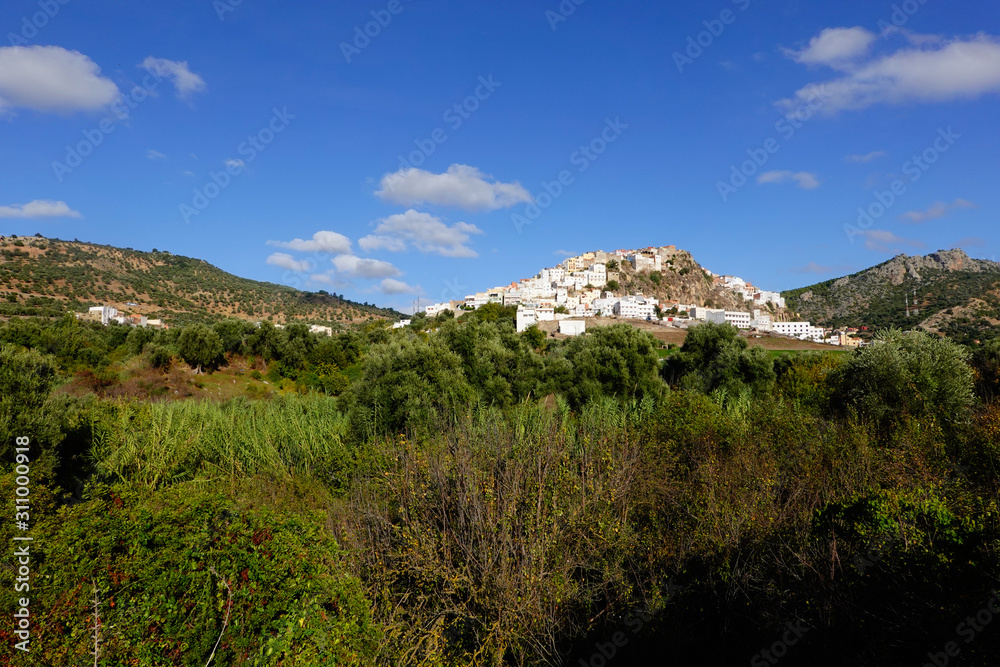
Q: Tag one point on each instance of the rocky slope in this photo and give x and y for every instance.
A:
(945, 291)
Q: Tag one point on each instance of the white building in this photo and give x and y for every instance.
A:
(761, 322)
(803, 330)
(525, 318)
(698, 313)
(107, 313)
(596, 275)
(646, 262)
(635, 308)
(317, 329)
(572, 327)
(736, 318)
(436, 309)
(764, 297)
(402, 323)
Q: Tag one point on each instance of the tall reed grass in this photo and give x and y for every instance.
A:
(156, 444)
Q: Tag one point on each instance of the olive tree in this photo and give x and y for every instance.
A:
(907, 373)
(200, 346)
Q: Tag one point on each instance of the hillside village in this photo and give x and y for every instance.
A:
(594, 284)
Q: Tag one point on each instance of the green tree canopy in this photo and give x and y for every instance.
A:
(618, 360)
(907, 373)
(714, 356)
(200, 346)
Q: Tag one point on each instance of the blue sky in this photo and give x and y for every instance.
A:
(350, 168)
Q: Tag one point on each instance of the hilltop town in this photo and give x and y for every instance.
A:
(655, 284)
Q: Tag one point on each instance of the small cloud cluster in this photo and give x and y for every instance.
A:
(39, 208)
(346, 266)
(928, 69)
(185, 81)
(866, 158)
(803, 179)
(936, 211)
(422, 231)
(329, 242)
(461, 186)
(52, 79)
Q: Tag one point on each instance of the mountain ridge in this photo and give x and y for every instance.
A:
(945, 291)
(48, 277)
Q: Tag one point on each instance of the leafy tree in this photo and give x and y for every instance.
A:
(613, 286)
(907, 374)
(534, 336)
(200, 346)
(613, 265)
(986, 364)
(158, 357)
(408, 382)
(264, 342)
(493, 312)
(618, 360)
(502, 366)
(26, 378)
(137, 339)
(234, 334)
(714, 356)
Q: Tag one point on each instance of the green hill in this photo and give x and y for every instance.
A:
(946, 292)
(48, 277)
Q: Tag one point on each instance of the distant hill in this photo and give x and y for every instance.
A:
(947, 292)
(47, 277)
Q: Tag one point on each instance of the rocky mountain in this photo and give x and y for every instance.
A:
(48, 277)
(946, 291)
(681, 279)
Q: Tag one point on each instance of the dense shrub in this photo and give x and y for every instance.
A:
(170, 574)
(908, 374)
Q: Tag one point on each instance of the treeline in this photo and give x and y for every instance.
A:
(476, 496)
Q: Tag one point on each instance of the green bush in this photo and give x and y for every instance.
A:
(909, 374)
(174, 572)
(715, 357)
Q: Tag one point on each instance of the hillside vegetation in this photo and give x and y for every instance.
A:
(455, 493)
(47, 277)
(947, 292)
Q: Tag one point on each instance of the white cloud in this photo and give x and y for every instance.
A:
(804, 179)
(286, 261)
(155, 155)
(937, 210)
(331, 242)
(52, 79)
(885, 241)
(39, 209)
(865, 159)
(424, 231)
(352, 265)
(834, 47)
(927, 71)
(186, 81)
(235, 163)
(390, 286)
(461, 186)
(564, 253)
